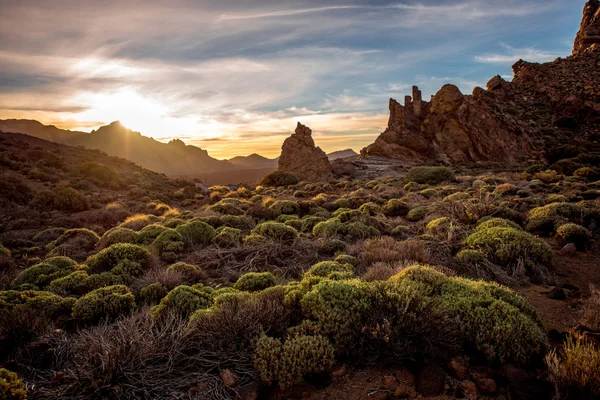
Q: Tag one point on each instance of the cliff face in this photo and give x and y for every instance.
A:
(544, 104)
(300, 156)
(589, 31)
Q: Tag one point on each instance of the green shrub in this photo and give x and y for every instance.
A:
(330, 228)
(325, 268)
(276, 231)
(242, 222)
(486, 223)
(150, 232)
(227, 206)
(545, 220)
(255, 281)
(370, 209)
(80, 237)
(285, 207)
(44, 303)
(430, 175)
(101, 175)
(183, 301)
(506, 189)
(189, 271)
(573, 233)
(118, 235)
(458, 196)
(506, 246)
(359, 230)
(331, 246)
(169, 245)
(347, 259)
(417, 213)
(63, 199)
(11, 387)
(69, 284)
(196, 233)
(428, 193)
(280, 178)
(109, 258)
(48, 235)
(40, 275)
(588, 173)
(228, 237)
(287, 364)
(395, 208)
(439, 225)
(152, 294)
(470, 257)
(104, 303)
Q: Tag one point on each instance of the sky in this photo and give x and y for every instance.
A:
(234, 76)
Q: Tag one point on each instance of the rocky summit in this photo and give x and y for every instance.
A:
(545, 104)
(300, 156)
(589, 32)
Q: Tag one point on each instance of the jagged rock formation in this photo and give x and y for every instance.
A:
(589, 31)
(555, 102)
(300, 156)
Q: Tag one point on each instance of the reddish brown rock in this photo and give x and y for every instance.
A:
(459, 368)
(341, 371)
(569, 249)
(486, 385)
(470, 390)
(390, 381)
(589, 31)
(229, 379)
(300, 156)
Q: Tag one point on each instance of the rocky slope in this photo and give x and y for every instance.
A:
(300, 156)
(510, 121)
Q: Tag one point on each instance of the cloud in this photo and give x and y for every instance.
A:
(511, 55)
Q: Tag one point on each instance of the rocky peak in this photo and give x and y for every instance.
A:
(589, 31)
(300, 156)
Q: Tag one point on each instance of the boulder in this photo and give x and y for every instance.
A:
(589, 30)
(300, 156)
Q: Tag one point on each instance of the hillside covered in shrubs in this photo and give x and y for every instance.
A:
(117, 282)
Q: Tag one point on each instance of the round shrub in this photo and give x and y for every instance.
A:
(276, 231)
(506, 189)
(40, 275)
(228, 237)
(118, 235)
(109, 258)
(285, 207)
(347, 259)
(44, 303)
(470, 257)
(325, 268)
(280, 178)
(63, 198)
(169, 245)
(255, 281)
(428, 193)
(506, 246)
(188, 271)
(80, 237)
(150, 232)
(152, 294)
(183, 301)
(287, 364)
(330, 228)
(395, 208)
(439, 225)
(417, 214)
(11, 387)
(370, 209)
(360, 230)
(573, 233)
(486, 223)
(196, 233)
(545, 220)
(104, 303)
(430, 175)
(48, 235)
(70, 284)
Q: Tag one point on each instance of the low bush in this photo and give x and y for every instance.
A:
(196, 233)
(430, 175)
(169, 245)
(63, 199)
(488, 222)
(287, 207)
(507, 246)
(79, 237)
(228, 237)
(118, 235)
(289, 362)
(11, 387)
(326, 268)
(255, 281)
(573, 233)
(395, 208)
(417, 214)
(276, 231)
(546, 219)
(182, 301)
(279, 178)
(104, 304)
(190, 272)
(109, 258)
(40, 275)
(152, 294)
(45, 303)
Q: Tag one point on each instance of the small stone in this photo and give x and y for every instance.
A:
(401, 392)
(229, 379)
(343, 370)
(486, 385)
(557, 294)
(390, 381)
(470, 389)
(458, 367)
(569, 249)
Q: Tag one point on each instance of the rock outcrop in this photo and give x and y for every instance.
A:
(300, 156)
(589, 31)
(544, 105)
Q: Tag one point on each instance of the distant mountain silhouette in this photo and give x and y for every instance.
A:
(39, 130)
(341, 154)
(174, 158)
(254, 161)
